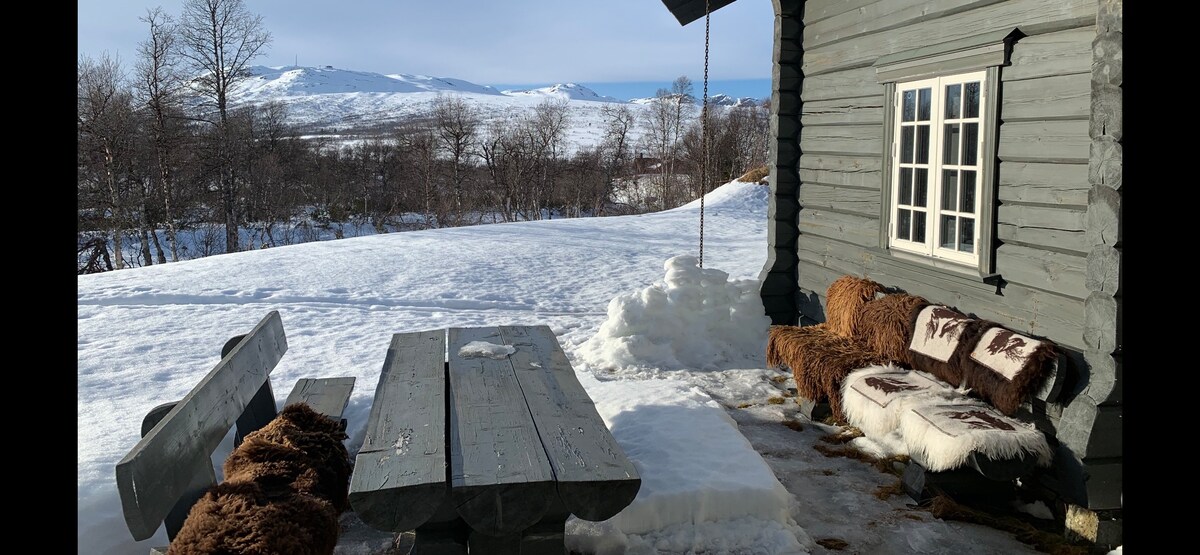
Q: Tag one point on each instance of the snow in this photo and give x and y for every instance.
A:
(483, 349)
(720, 474)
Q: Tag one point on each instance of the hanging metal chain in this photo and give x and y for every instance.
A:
(704, 133)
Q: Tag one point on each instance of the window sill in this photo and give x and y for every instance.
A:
(960, 274)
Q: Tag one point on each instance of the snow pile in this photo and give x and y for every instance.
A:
(694, 318)
(704, 487)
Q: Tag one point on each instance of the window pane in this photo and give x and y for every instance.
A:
(966, 238)
(923, 104)
(948, 232)
(950, 148)
(922, 144)
(949, 189)
(906, 144)
(971, 100)
(903, 223)
(968, 192)
(953, 101)
(918, 227)
(905, 187)
(970, 143)
(920, 188)
(909, 106)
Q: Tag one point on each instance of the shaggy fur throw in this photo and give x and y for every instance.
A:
(843, 301)
(941, 337)
(875, 397)
(284, 488)
(1005, 367)
(941, 437)
(819, 360)
(886, 325)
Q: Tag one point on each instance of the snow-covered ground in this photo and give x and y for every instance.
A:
(671, 353)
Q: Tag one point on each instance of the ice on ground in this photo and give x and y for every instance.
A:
(481, 349)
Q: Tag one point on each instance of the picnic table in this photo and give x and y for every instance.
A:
(482, 440)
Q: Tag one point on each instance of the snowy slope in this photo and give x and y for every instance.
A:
(567, 91)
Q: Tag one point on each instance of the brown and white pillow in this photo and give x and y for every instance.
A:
(937, 344)
(1005, 367)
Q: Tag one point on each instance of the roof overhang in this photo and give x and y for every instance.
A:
(687, 11)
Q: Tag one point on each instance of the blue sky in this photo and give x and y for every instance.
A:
(622, 48)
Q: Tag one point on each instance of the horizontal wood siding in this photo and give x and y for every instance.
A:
(1048, 98)
(1057, 228)
(848, 111)
(854, 171)
(1042, 183)
(850, 83)
(862, 231)
(1045, 141)
(863, 202)
(845, 139)
(888, 27)
(1060, 53)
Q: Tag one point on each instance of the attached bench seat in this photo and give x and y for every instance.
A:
(896, 365)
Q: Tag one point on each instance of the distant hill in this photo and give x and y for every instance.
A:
(347, 105)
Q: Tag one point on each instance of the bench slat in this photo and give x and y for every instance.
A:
(502, 482)
(399, 476)
(164, 463)
(595, 479)
(328, 396)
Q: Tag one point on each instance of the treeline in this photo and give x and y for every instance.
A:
(160, 155)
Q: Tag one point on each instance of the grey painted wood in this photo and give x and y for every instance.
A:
(501, 480)
(258, 412)
(594, 478)
(1041, 269)
(400, 479)
(1045, 141)
(848, 83)
(816, 10)
(1104, 484)
(1059, 53)
(845, 140)
(1089, 430)
(163, 465)
(328, 396)
(1104, 216)
(860, 230)
(831, 169)
(1058, 239)
(864, 202)
(1001, 469)
(846, 111)
(1100, 325)
(1103, 377)
(173, 522)
(1106, 162)
(883, 15)
(1104, 269)
(866, 48)
(1048, 98)
(1038, 183)
(1051, 388)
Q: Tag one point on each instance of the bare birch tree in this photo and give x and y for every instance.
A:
(218, 39)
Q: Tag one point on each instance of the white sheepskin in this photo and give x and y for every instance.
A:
(941, 443)
(877, 413)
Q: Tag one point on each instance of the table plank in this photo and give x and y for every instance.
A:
(595, 479)
(328, 396)
(400, 475)
(501, 480)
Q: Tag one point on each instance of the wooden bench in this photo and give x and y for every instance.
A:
(171, 466)
(490, 454)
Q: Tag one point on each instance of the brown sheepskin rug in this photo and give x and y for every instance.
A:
(284, 489)
(819, 360)
(843, 301)
(886, 326)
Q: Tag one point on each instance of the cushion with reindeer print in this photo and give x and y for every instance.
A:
(937, 344)
(1005, 367)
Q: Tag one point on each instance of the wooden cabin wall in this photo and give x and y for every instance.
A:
(1058, 256)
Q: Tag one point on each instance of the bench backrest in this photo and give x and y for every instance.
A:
(171, 466)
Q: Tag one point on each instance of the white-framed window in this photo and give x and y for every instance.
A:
(942, 122)
(937, 166)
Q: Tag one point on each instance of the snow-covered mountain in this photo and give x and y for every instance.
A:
(347, 104)
(718, 99)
